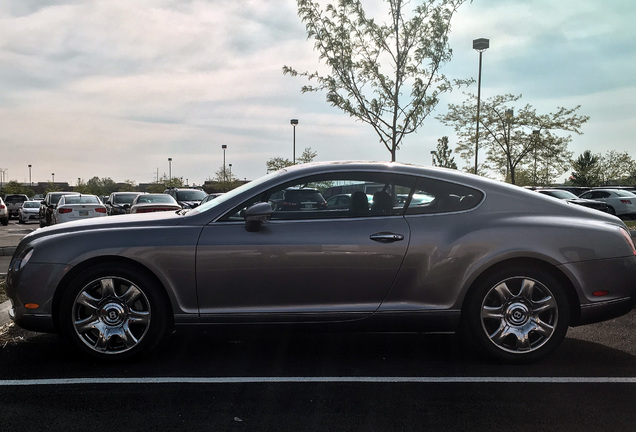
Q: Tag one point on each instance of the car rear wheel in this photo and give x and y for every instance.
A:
(114, 312)
(518, 314)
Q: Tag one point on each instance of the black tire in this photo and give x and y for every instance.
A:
(114, 312)
(611, 210)
(518, 314)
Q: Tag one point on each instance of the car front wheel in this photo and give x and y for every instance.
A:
(518, 314)
(114, 312)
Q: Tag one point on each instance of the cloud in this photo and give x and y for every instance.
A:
(113, 88)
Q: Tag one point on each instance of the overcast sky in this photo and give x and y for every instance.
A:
(113, 88)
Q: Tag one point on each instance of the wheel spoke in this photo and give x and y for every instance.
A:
(131, 295)
(490, 312)
(542, 328)
(503, 292)
(527, 289)
(108, 288)
(139, 317)
(543, 305)
(87, 324)
(88, 301)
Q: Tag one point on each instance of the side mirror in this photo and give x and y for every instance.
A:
(256, 216)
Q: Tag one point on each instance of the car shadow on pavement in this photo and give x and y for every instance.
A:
(294, 354)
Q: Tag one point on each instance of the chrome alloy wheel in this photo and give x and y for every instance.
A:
(111, 315)
(519, 315)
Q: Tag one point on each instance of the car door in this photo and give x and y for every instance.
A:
(318, 264)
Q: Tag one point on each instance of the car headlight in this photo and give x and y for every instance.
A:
(23, 259)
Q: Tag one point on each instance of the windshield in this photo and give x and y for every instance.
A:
(562, 194)
(234, 192)
(191, 195)
(624, 193)
(124, 198)
(31, 204)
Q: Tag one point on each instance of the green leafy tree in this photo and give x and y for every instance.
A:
(127, 186)
(587, 170)
(384, 74)
(274, 164)
(515, 140)
(615, 167)
(442, 157)
(13, 187)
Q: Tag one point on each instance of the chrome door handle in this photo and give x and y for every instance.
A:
(386, 237)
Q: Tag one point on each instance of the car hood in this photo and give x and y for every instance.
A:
(121, 221)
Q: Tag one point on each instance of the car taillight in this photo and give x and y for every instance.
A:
(1, 206)
(100, 210)
(629, 239)
(626, 201)
(64, 210)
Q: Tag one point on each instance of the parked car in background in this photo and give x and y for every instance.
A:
(573, 199)
(118, 203)
(4, 213)
(621, 202)
(186, 197)
(77, 207)
(210, 197)
(298, 199)
(30, 211)
(150, 203)
(508, 268)
(13, 203)
(48, 205)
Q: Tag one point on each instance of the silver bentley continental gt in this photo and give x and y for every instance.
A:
(417, 250)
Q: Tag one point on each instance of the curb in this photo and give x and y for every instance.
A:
(7, 250)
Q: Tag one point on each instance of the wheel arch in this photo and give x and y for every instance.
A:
(535, 263)
(105, 261)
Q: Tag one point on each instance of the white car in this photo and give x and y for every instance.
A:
(77, 207)
(30, 210)
(620, 202)
(4, 213)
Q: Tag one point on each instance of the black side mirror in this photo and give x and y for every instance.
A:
(256, 216)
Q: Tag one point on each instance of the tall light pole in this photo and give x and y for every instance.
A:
(294, 122)
(53, 178)
(170, 171)
(224, 147)
(480, 45)
(230, 165)
(30, 182)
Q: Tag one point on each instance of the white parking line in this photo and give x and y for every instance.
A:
(292, 380)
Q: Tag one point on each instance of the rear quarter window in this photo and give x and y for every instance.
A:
(436, 196)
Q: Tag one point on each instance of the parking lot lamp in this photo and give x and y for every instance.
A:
(294, 122)
(479, 45)
(30, 182)
(224, 147)
(170, 171)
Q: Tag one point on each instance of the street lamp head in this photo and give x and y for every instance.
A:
(481, 44)
(294, 122)
(223, 146)
(169, 159)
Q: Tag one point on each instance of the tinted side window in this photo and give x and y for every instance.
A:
(436, 196)
(336, 195)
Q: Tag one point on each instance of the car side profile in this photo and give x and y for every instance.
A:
(620, 202)
(436, 251)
